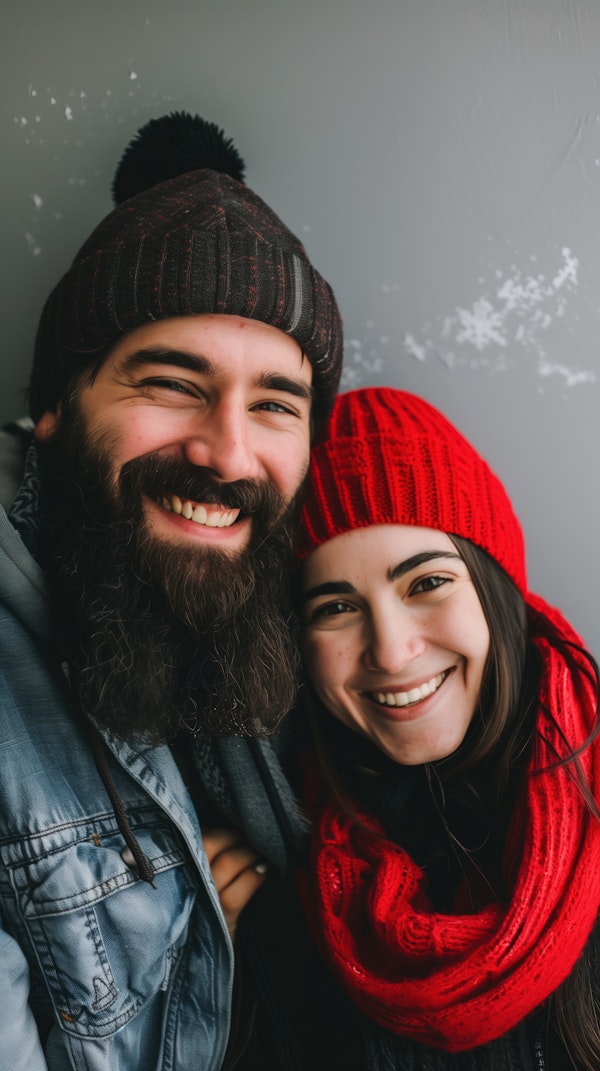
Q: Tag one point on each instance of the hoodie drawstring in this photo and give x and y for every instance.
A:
(143, 864)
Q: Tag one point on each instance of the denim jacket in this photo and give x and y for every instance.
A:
(98, 969)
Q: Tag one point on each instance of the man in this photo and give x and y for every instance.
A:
(144, 624)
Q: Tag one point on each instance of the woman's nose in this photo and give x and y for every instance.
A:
(394, 639)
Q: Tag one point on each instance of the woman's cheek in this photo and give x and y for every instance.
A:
(312, 655)
(328, 659)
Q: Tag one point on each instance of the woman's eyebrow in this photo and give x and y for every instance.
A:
(396, 571)
(344, 587)
(330, 587)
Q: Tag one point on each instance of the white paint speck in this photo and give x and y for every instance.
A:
(414, 349)
(37, 200)
(572, 377)
(568, 273)
(68, 113)
(359, 366)
(520, 295)
(480, 326)
(31, 242)
(515, 312)
(132, 76)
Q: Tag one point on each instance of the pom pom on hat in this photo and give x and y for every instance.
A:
(171, 146)
(392, 458)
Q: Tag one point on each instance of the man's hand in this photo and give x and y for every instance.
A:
(237, 869)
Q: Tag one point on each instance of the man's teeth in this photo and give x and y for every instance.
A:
(209, 515)
(403, 699)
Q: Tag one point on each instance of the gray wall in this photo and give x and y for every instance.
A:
(441, 161)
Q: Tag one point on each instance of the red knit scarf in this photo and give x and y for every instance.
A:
(459, 981)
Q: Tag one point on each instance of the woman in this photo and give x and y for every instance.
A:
(454, 883)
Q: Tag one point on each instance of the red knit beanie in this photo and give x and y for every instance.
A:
(391, 458)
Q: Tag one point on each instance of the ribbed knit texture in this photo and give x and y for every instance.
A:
(457, 981)
(392, 458)
(201, 242)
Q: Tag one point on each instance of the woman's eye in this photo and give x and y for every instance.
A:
(330, 609)
(429, 583)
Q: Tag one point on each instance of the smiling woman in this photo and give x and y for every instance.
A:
(454, 771)
(396, 649)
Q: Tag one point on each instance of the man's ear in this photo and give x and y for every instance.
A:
(47, 424)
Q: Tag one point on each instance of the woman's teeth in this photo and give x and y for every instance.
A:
(404, 699)
(209, 515)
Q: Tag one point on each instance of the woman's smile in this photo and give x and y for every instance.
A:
(402, 704)
(395, 638)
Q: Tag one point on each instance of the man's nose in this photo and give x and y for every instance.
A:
(221, 441)
(393, 640)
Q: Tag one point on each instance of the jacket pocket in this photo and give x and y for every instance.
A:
(105, 941)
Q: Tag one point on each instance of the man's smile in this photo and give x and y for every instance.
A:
(205, 513)
(185, 518)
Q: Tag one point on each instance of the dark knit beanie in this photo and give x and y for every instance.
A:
(391, 458)
(194, 240)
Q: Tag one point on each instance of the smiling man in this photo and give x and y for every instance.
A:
(187, 447)
(180, 367)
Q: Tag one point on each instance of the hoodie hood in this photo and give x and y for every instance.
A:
(23, 587)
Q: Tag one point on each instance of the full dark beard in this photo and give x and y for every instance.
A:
(162, 636)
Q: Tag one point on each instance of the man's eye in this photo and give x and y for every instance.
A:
(273, 407)
(429, 583)
(168, 384)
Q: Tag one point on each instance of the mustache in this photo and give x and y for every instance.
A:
(157, 476)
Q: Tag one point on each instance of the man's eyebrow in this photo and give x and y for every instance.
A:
(276, 381)
(395, 572)
(330, 587)
(192, 362)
